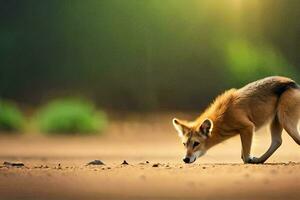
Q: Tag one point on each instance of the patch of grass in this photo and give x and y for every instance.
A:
(70, 116)
(11, 118)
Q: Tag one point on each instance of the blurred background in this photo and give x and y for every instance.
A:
(101, 79)
(62, 57)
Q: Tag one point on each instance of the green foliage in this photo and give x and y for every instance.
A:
(11, 118)
(70, 116)
(145, 55)
(247, 62)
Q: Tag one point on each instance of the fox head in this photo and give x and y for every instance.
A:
(193, 138)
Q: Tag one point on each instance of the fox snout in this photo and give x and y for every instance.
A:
(190, 159)
(186, 159)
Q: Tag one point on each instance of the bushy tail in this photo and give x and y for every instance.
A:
(289, 112)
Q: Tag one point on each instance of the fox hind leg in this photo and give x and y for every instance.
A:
(276, 131)
(289, 113)
(287, 118)
(292, 130)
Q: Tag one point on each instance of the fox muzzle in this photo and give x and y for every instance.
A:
(193, 157)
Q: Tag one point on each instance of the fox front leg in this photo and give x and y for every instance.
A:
(246, 140)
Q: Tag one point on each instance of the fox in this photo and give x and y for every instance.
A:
(273, 101)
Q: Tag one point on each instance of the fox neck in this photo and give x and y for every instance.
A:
(216, 138)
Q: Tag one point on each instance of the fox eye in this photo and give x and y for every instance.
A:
(195, 144)
(184, 144)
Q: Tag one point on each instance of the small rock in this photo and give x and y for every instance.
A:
(59, 166)
(13, 164)
(144, 163)
(96, 162)
(156, 165)
(125, 162)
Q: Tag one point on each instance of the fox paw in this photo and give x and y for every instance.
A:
(254, 160)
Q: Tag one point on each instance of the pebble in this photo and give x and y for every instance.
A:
(125, 162)
(13, 164)
(96, 162)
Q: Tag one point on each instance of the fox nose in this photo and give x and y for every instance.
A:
(186, 160)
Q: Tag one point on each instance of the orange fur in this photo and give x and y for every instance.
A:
(217, 109)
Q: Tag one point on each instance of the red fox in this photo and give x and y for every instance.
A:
(274, 100)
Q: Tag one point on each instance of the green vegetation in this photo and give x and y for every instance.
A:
(11, 119)
(70, 116)
(247, 62)
(149, 55)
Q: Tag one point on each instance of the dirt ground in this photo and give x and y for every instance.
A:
(55, 167)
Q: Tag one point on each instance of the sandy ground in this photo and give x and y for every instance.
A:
(55, 167)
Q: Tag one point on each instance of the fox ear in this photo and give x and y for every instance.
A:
(206, 127)
(180, 127)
